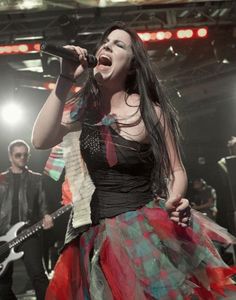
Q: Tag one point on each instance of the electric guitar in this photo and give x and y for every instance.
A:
(9, 241)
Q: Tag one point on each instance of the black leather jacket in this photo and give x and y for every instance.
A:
(32, 200)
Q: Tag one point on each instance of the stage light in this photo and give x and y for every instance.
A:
(189, 33)
(19, 49)
(160, 35)
(174, 34)
(146, 36)
(152, 36)
(185, 33)
(11, 114)
(181, 34)
(30, 4)
(179, 94)
(202, 32)
(168, 35)
(23, 48)
(225, 61)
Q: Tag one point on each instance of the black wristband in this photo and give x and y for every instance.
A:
(71, 79)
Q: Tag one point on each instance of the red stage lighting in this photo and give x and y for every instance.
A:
(202, 32)
(147, 36)
(19, 49)
(174, 34)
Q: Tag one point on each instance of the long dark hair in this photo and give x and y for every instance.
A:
(143, 81)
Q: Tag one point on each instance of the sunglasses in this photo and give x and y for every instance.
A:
(19, 155)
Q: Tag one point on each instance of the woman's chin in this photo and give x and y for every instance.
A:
(102, 77)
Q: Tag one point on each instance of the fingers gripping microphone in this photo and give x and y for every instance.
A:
(66, 54)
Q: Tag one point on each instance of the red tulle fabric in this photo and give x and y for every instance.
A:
(115, 282)
(72, 279)
(219, 282)
(67, 276)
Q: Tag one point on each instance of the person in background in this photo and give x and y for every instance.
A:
(227, 199)
(22, 198)
(130, 235)
(204, 198)
(232, 145)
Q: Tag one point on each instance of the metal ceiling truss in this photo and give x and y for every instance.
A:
(191, 67)
(90, 22)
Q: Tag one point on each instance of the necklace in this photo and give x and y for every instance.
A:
(110, 119)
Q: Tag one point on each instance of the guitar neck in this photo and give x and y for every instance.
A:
(36, 227)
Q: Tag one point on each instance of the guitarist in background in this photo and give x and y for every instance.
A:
(204, 198)
(22, 198)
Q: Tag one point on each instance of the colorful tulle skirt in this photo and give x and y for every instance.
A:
(143, 255)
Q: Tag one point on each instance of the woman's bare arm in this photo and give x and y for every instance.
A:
(48, 130)
(177, 184)
(176, 204)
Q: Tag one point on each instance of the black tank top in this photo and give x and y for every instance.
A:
(126, 185)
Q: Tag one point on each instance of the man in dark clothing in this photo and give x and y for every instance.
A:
(22, 198)
(227, 169)
(203, 198)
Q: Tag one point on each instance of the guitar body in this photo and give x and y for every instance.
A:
(12, 239)
(10, 254)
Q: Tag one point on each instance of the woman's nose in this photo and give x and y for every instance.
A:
(107, 46)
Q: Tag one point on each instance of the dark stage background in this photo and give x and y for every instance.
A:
(199, 75)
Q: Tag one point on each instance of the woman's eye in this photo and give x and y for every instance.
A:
(121, 45)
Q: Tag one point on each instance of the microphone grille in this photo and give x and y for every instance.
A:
(92, 61)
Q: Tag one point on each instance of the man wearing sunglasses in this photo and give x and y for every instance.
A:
(22, 198)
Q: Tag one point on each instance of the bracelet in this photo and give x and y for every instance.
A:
(71, 79)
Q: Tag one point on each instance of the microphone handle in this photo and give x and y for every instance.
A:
(68, 54)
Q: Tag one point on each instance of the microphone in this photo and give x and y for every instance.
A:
(66, 54)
